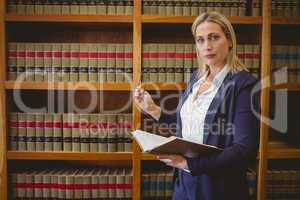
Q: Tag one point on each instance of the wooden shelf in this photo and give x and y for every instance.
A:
(190, 19)
(164, 86)
(288, 86)
(69, 18)
(147, 156)
(281, 150)
(286, 20)
(67, 86)
(17, 155)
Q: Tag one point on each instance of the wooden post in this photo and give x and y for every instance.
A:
(265, 98)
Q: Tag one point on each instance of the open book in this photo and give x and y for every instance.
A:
(157, 144)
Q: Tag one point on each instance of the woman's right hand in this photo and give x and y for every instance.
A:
(145, 102)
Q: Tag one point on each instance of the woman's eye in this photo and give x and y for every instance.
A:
(215, 37)
(200, 41)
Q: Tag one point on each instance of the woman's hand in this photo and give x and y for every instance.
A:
(145, 102)
(174, 161)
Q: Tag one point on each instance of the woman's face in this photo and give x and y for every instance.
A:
(212, 44)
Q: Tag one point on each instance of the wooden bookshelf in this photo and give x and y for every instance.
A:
(286, 20)
(287, 86)
(68, 86)
(69, 18)
(19, 155)
(282, 150)
(190, 19)
(164, 86)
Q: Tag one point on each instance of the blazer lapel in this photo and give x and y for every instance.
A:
(215, 104)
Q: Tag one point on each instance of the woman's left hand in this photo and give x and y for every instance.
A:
(174, 161)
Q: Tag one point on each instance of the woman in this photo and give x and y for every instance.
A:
(215, 109)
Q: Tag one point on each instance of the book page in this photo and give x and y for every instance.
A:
(148, 141)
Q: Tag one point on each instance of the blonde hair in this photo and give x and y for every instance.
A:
(233, 61)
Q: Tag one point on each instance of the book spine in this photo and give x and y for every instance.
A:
(145, 63)
(65, 62)
(161, 8)
(62, 184)
(75, 133)
(20, 8)
(67, 132)
(65, 7)
(161, 60)
(74, 7)
(194, 8)
(21, 191)
(12, 61)
(47, 183)
(111, 63)
(83, 62)
(22, 132)
(14, 181)
(103, 180)
(248, 55)
(86, 180)
(12, 7)
(112, 133)
(102, 62)
(29, 61)
(101, 7)
(186, 8)
(29, 7)
(13, 125)
(169, 8)
(29, 190)
(111, 7)
(31, 136)
(128, 183)
(128, 7)
(95, 182)
(120, 183)
(74, 62)
(153, 61)
(57, 132)
(21, 61)
(102, 137)
(93, 72)
(48, 131)
(112, 180)
(94, 132)
(127, 132)
(154, 8)
(38, 180)
(48, 62)
(120, 70)
(56, 62)
(170, 62)
(128, 63)
(179, 58)
(54, 181)
(234, 10)
(70, 185)
(146, 7)
(120, 133)
(256, 59)
(83, 7)
(78, 193)
(39, 62)
(188, 61)
(39, 130)
(202, 7)
(120, 8)
(84, 133)
(91, 7)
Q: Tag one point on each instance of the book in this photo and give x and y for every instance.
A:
(156, 144)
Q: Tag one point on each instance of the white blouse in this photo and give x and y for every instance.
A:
(193, 112)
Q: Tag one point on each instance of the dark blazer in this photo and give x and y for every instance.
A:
(229, 124)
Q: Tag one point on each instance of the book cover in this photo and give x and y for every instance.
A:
(120, 53)
(39, 130)
(84, 132)
(13, 126)
(156, 144)
(102, 136)
(29, 61)
(65, 62)
(83, 62)
(30, 126)
(111, 63)
(128, 63)
(162, 48)
(57, 132)
(94, 130)
(102, 62)
(48, 121)
(93, 72)
(39, 62)
(12, 61)
(112, 132)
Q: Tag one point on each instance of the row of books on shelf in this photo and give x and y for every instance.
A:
(197, 7)
(283, 184)
(175, 62)
(70, 132)
(96, 62)
(94, 183)
(285, 63)
(287, 8)
(70, 7)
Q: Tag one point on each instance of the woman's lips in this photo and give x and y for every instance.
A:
(209, 56)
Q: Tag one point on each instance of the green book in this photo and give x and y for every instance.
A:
(83, 62)
(153, 75)
(92, 62)
(39, 62)
(84, 132)
(29, 7)
(75, 133)
(202, 7)
(128, 63)
(186, 8)
(48, 120)
(38, 7)
(171, 50)
(30, 132)
(101, 7)
(95, 181)
(112, 133)
(78, 180)
(65, 7)
(47, 181)
(128, 180)
(120, 7)
(69, 183)
(103, 180)
(178, 8)
(188, 61)
(146, 7)
(102, 62)
(120, 133)
(128, 7)
(86, 181)
(127, 132)
(62, 181)
(162, 62)
(29, 180)
(120, 180)
(21, 191)
(56, 7)
(12, 61)
(57, 132)
(21, 61)
(48, 76)
(120, 53)
(29, 61)
(170, 7)
(38, 180)
(39, 132)
(56, 62)
(67, 132)
(145, 62)
(179, 61)
(111, 7)
(111, 62)
(241, 53)
(161, 8)
(65, 62)
(91, 7)
(83, 7)
(74, 7)
(94, 130)
(234, 8)
(13, 130)
(74, 62)
(102, 136)
(22, 132)
(194, 8)
(112, 180)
